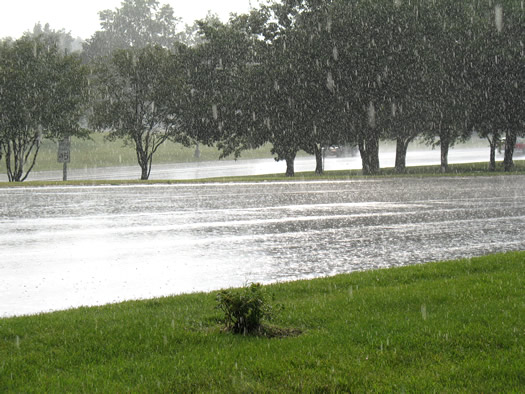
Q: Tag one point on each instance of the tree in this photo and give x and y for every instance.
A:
(357, 28)
(138, 100)
(499, 80)
(301, 91)
(192, 36)
(449, 25)
(282, 108)
(65, 42)
(315, 57)
(226, 82)
(43, 95)
(136, 24)
(404, 79)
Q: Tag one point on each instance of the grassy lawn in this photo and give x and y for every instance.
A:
(99, 152)
(464, 169)
(470, 169)
(451, 326)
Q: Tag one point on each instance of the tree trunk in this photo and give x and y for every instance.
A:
(18, 154)
(369, 150)
(142, 159)
(364, 157)
(197, 154)
(145, 165)
(319, 170)
(374, 156)
(144, 172)
(290, 171)
(444, 145)
(493, 145)
(401, 154)
(510, 142)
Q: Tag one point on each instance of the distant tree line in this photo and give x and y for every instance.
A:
(298, 74)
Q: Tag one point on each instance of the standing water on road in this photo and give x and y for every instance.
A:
(64, 247)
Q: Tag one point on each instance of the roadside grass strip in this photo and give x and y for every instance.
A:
(445, 327)
(469, 169)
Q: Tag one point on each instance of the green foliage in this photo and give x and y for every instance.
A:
(361, 71)
(245, 308)
(136, 24)
(43, 94)
(137, 97)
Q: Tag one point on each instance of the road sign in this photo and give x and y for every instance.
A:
(64, 147)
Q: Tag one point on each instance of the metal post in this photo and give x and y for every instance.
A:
(64, 155)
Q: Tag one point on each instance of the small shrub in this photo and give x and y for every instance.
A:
(245, 308)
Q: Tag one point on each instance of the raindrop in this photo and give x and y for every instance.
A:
(214, 111)
(330, 84)
(424, 312)
(499, 17)
(335, 53)
(371, 115)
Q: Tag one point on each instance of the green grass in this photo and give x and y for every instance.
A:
(447, 327)
(97, 151)
(471, 169)
(465, 169)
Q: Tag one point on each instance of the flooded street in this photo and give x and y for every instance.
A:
(63, 247)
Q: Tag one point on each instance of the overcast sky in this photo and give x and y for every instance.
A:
(80, 17)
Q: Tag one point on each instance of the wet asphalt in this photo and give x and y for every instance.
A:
(63, 247)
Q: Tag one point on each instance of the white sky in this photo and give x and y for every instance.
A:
(80, 17)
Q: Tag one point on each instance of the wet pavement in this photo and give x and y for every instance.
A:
(64, 247)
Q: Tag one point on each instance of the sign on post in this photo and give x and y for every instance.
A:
(64, 147)
(64, 156)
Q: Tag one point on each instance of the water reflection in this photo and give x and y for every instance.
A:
(71, 246)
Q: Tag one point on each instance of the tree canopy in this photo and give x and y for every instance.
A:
(136, 100)
(43, 94)
(136, 24)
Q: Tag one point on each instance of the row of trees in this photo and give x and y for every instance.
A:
(299, 74)
(315, 73)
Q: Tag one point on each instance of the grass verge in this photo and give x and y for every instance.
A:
(469, 169)
(451, 326)
(97, 151)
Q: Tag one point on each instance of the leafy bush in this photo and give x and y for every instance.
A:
(245, 308)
